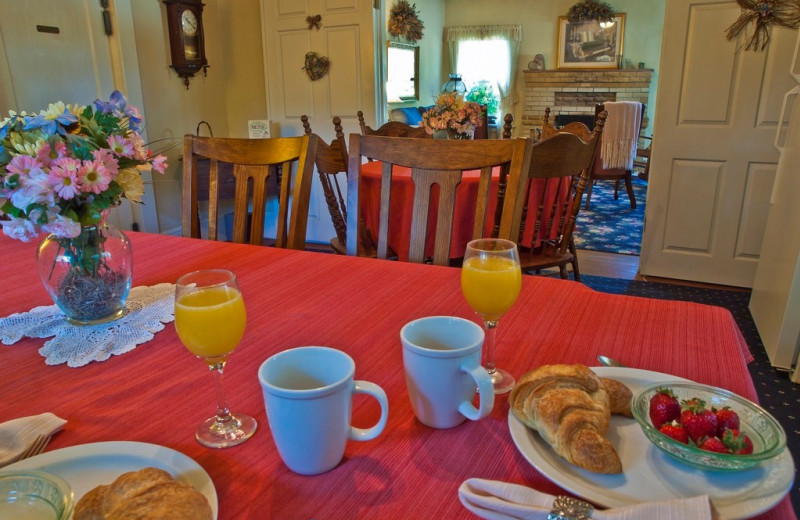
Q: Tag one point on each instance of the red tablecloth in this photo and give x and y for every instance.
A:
(158, 393)
(402, 196)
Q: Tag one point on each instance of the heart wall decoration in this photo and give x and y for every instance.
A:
(316, 66)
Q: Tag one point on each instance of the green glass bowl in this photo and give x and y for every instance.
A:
(35, 495)
(768, 437)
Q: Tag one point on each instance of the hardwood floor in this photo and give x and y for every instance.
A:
(626, 267)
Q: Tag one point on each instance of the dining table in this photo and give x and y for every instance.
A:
(401, 208)
(158, 393)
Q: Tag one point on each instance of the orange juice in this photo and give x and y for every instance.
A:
(210, 322)
(490, 285)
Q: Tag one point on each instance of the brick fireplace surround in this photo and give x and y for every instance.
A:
(578, 91)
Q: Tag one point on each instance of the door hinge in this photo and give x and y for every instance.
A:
(106, 17)
(376, 4)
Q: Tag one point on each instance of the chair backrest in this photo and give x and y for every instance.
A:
(575, 128)
(254, 161)
(331, 160)
(435, 161)
(393, 129)
(508, 121)
(554, 162)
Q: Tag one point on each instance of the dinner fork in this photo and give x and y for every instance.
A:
(36, 447)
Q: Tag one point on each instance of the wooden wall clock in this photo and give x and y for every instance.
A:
(186, 37)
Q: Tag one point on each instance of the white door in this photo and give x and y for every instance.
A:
(57, 50)
(713, 156)
(775, 300)
(346, 39)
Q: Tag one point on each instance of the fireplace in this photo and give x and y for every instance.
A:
(573, 94)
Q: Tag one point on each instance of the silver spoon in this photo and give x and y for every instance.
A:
(608, 362)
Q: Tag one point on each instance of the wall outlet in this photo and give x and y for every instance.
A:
(258, 128)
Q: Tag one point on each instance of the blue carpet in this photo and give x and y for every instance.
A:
(609, 225)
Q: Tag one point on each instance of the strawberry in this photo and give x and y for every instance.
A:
(664, 407)
(737, 442)
(726, 419)
(699, 421)
(713, 444)
(675, 431)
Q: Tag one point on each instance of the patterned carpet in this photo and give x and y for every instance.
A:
(609, 225)
(776, 392)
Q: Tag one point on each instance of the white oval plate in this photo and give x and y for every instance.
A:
(649, 474)
(87, 466)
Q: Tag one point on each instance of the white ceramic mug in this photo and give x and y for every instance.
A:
(308, 394)
(442, 360)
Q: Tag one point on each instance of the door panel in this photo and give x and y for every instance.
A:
(343, 47)
(709, 66)
(708, 196)
(760, 178)
(693, 184)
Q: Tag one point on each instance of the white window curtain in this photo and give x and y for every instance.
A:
(512, 34)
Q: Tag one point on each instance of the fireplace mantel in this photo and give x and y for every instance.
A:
(578, 91)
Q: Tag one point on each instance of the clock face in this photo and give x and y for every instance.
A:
(189, 23)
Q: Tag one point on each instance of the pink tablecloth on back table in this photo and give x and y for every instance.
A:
(158, 393)
(402, 196)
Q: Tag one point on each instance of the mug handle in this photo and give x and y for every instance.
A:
(366, 434)
(485, 390)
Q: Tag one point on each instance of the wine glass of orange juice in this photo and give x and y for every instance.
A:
(490, 280)
(210, 320)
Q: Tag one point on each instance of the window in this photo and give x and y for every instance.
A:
(486, 58)
(484, 64)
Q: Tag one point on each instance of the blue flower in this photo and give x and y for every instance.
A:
(52, 120)
(118, 105)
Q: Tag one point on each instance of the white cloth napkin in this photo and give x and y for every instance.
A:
(16, 435)
(495, 500)
(620, 134)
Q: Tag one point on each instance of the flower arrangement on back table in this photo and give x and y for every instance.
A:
(61, 170)
(460, 118)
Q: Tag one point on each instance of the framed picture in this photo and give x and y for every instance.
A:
(590, 44)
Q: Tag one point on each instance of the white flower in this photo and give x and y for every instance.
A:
(20, 229)
(61, 226)
(33, 189)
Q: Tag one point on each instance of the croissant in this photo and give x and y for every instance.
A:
(570, 407)
(147, 494)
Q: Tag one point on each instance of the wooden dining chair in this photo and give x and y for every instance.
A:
(508, 120)
(254, 162)
(331, 162)
(549, 189)
(599, 173)
(581, 130)
(393, 129)
(432, 161)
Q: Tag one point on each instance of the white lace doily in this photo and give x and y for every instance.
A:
(147, 309)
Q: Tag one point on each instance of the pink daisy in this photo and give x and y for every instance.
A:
(160, 164)
(49, 153)
(107, 159)
(23, 165)
(120, 146)
(93, 177)
(64, 178)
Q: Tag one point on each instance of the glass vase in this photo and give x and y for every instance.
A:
(88, 276)
(452, 134)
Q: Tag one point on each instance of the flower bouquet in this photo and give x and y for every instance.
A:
(61, 170)
(452, 113)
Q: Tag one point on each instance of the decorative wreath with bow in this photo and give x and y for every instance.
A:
(762, 13)
(404, 21)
